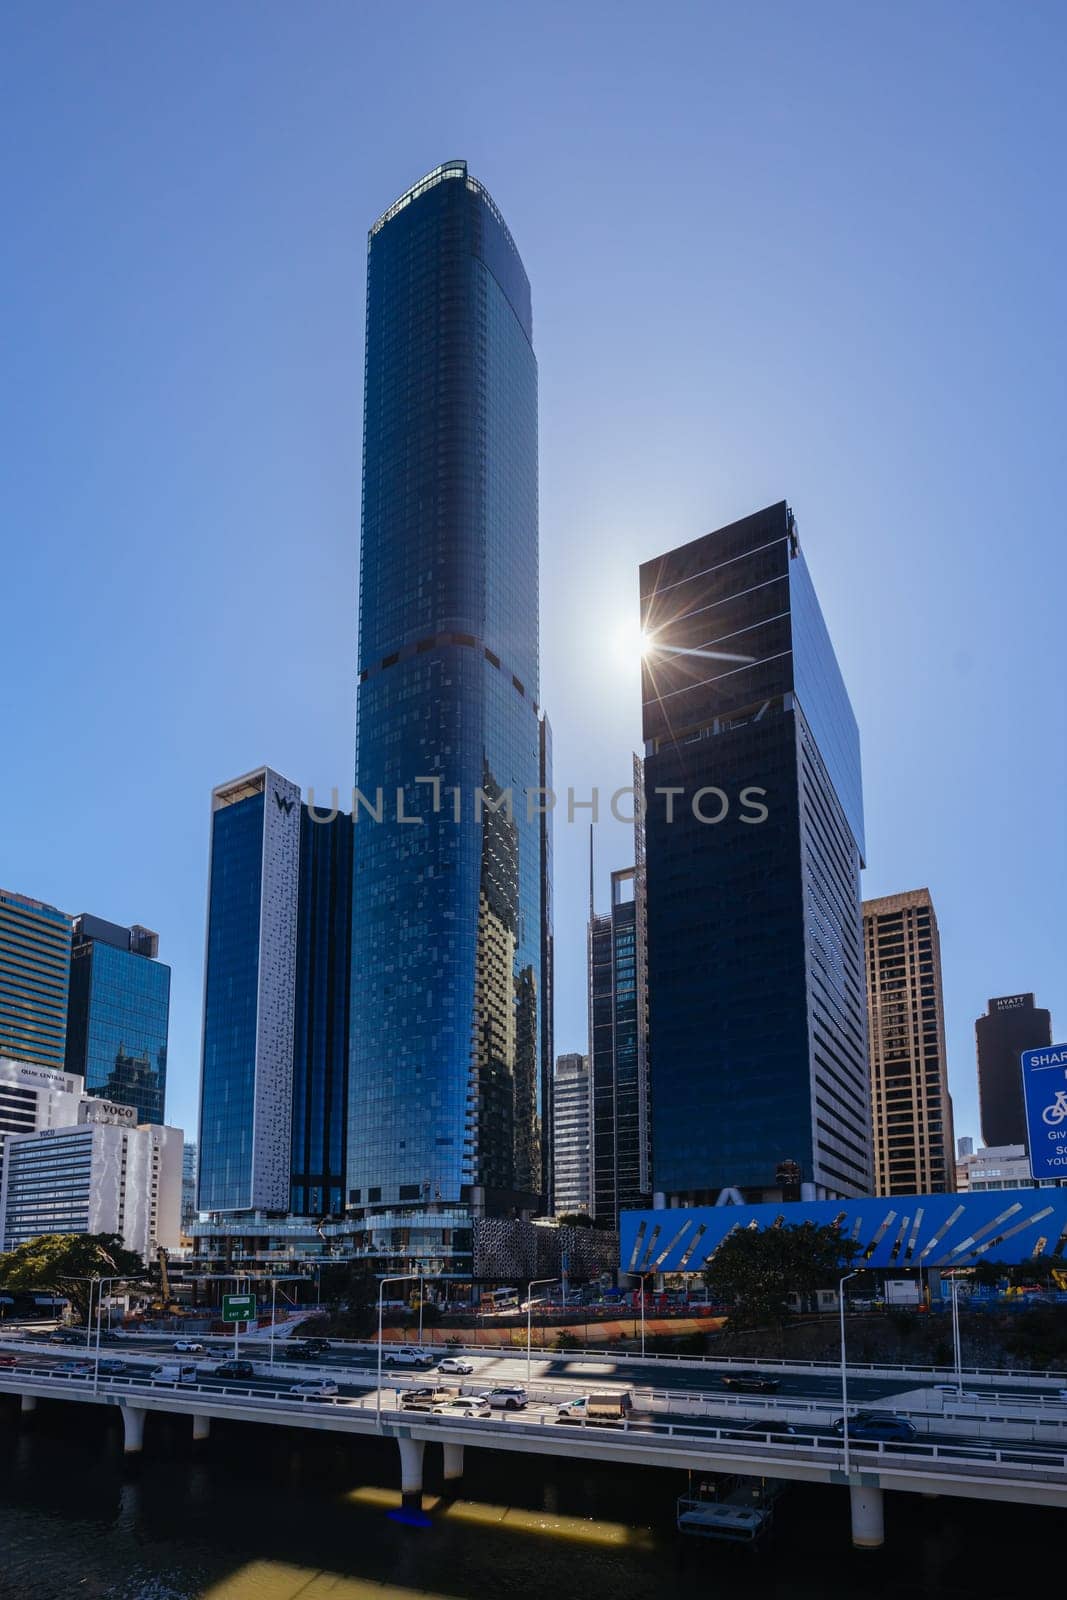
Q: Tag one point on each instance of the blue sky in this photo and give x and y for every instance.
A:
(803, 252)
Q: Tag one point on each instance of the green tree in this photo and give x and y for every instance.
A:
(61, 1263)
(755, 1270)
(575, 1219)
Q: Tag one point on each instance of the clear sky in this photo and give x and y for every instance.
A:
(805, 252)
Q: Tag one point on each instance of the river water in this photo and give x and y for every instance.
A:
(265, 1513)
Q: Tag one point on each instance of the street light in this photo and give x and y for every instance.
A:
(641, 1276)
(404, 1277)
(99, 1310)
(844, 1370)
(530, 1287)
(282, 1277)
(956, 1339)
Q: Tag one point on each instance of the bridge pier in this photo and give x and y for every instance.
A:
(411, 1453)
(132, 1429)
(453, 1462)
(868, 1521)
(28, 1403)
(201, 1427)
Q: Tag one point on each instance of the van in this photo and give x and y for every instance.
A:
(176, 1372)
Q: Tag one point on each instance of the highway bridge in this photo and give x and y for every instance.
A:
(998, 1440)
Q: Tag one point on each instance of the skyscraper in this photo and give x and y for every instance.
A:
(572, 1136)
(618, 1050)
(119, 1015)
(910, 1102)
(754, 838)
(1012, 1024)
(34, 980)
(273, 1077)
(450, 1055)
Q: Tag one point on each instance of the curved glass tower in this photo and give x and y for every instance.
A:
(450, 1025)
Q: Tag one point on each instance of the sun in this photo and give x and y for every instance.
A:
(632, 642)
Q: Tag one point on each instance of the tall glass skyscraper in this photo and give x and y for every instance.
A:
(34, 980)
(450, 1023)
(754, 840)
(119, 1015)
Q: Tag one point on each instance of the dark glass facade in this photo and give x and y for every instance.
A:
(450, 1008)
(617, 1023)
(320, 1053)
(757, 1005)
(1012, 1024)
(231, 998)
(119, 1016)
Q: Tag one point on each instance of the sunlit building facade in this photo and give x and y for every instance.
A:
(34, 980)
(450, 1024)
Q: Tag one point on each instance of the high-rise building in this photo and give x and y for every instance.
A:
(76, 1163)
(964, 1146)
(572, 1136)
(272, 1092)
(119, 1014)
(450, 1061)
(754, 838)
(910, 1103)
(189, 1165)
(34, 979)
(618, 1050)
(1012, 1024)
(1005, 1166)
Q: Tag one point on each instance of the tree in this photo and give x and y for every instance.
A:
(62, 1263)
(575, 1219)
(755, 1270)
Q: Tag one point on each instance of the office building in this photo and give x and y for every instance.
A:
(754, 839)
(34, 980)
(119, 1014)
(189, 1165)
(618, 1049)
(76, 1163)
(273, 1077)
(101, 1175)
(964, 1147)
(1005, 1166)
(910, 1104)
(572, 1136)
(450, 1060)
(1012, 1024)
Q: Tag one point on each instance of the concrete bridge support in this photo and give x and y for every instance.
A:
(868, 1521)
(453, 1462)
(132, 1429)
(28, 1403)
(411, 1453)
(201, 1427)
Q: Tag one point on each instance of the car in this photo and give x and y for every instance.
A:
(234, 1369)
(67, 1336)
(300, 1352)
(458, 1364)
(176, 1372)
(750, 1382)
(8, 1361)
(316, 1345)
(318, 1389)
(191, 1347)
(424, 1399)
(767, 1427)
(73, 1369)
(874, 1427)
(573, 1410)
(464, 1405)
(409, 1355)
(110, 1367)
(1062, 1394)
(507, 1397)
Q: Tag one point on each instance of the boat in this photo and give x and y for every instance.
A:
(738, 1510)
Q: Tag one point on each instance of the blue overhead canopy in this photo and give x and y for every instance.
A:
(921, 1230)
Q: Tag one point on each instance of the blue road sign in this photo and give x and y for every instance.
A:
(1045, 1092)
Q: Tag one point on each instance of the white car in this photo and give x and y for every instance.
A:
(458, 1364)
(573, 1410)
(465, 1405)
(409, 1355)
(320, 1389)
(191, 1347)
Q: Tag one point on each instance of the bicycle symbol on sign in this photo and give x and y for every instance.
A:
(1054, 1114)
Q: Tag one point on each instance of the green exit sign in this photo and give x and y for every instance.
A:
(238, 1307)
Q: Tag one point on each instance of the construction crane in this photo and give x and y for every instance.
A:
(165, 1303)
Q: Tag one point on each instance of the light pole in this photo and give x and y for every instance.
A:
(99, 1309)
(956, 1339)
(844, 1369)
(530, 1287)
(404, 1277)
(641, 1276)
(283, 1277)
